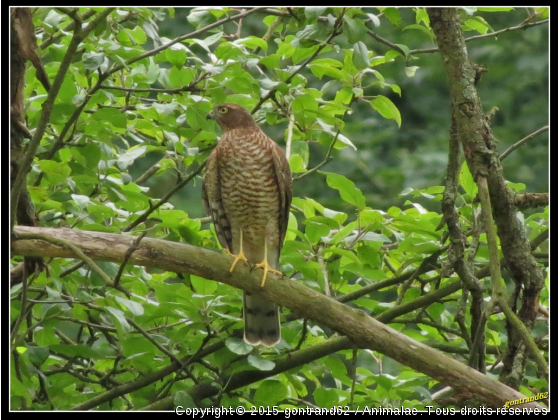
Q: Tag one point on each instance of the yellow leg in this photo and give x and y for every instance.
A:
(240, 256)
(266, 267)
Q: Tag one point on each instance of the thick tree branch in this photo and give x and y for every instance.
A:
(498, 292)
(475, 135)
(27, 158)
(531, 200)
(361, 329)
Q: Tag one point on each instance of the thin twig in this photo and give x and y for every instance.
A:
(386, 42)
(490, 34)
(127, 255)
(324, 271)
(144, 216)
(182, 38)
(522, 141)
(272, 92)
(154, 342)
(328, 156)
(187, 88)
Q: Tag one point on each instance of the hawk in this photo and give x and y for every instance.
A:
(247, 190)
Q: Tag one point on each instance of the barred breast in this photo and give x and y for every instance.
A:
(248, 178)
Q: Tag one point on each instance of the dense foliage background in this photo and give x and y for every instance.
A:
(359, 99)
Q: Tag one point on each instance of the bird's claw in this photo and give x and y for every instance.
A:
(267, 269)
(238, 257)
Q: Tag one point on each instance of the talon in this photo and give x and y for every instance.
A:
(267, 269)
(238, 257)
(226, 251)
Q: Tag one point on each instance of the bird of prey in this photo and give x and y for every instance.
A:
(247, 190)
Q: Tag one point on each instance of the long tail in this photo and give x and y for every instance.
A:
(262, 320)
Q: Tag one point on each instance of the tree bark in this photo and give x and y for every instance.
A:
(22, 49)
(358, 327)
(478, 144)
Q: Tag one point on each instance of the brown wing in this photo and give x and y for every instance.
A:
(284, 179)
(213, 204)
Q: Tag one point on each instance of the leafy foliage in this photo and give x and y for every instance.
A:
(128, 126)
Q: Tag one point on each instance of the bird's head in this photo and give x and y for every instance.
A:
(231, 116)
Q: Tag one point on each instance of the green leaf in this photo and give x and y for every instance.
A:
(53, 18)
(301, 107)
(153, 72)
(17, 389)
(138, 35)
(393, 15)
(111, 115)
(344, 96)
(93, 60)
(312, 13)
(360, 57)
(420, 28)
(52, 167)
(270, 392)
(183, 399)
(516, 186)
(199, 18)
(404, 49)
(356, 29)
(134, 307)
(261, 363)
(325, 398)
(384, 381)
(212, 39)
(475, 25)
(374, 19)
(67, 90)
(76, 350)
(176, 56)
(296, 164)
(174, 75)
(119, 319)
(470, 10)
(128, 158)
(238, 346)
(253, 42)
(494, 9)
(467, 182)
(38, 355)
(346, 188)
(241, 85)
(386, 108)
(344, 140)
(342, 252)
(81, 200)
(203, 286)
(311, 35)
(411, 70)
(271, 61)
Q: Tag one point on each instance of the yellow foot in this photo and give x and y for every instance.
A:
(267, 269)
(238, 257)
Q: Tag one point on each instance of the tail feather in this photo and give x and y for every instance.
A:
(262, 320)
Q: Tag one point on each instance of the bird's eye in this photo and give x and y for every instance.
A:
(223, 110)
